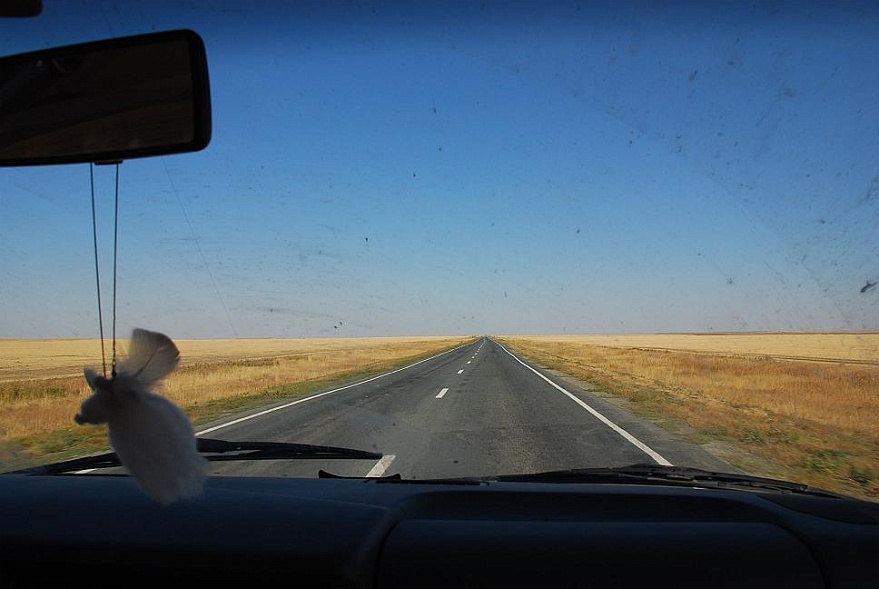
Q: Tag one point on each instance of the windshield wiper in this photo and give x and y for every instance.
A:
(216, 451)
(646, 474)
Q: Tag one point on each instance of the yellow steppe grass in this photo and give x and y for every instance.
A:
(810, 421)
(209, 370)
(851, 347)
(32, 359)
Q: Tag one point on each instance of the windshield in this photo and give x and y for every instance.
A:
(495, 238)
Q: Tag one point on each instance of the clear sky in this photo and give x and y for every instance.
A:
(467, 168)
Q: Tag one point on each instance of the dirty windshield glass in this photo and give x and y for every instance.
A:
(471, 239)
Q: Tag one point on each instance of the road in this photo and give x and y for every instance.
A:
(473, 411)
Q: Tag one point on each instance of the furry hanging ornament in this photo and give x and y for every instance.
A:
(152, 436)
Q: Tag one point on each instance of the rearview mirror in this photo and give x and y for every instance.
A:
(112, 100)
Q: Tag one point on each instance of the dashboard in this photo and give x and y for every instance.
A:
(102, 531)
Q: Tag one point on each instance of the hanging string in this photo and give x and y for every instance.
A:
(115, 250)
(97, 268)
(97, 272)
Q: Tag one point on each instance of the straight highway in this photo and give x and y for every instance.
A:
(477, 410)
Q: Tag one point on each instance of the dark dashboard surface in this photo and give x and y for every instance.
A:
(370, 533)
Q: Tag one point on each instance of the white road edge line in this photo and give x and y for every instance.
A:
(381, 466)
(290, 404)
(626, 435)
(442, 393)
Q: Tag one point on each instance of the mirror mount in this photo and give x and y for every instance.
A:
(105, 101)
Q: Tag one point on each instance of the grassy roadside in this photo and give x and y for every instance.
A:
(36, 416)
(816, 423)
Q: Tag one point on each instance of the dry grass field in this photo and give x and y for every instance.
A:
(850, 347)
(802, 407)
(40, 359)
(41, 382)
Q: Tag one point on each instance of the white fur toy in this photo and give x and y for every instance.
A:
(152, 436)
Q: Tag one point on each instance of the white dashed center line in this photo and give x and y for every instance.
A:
(460, 371)
(381, 466)
(442, 392)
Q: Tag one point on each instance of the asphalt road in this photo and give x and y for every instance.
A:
(474, 411)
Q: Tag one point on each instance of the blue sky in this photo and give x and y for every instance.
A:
(394, 169)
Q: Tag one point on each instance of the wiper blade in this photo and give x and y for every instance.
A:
(218, 451)
(674, 475)
(397, 478)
